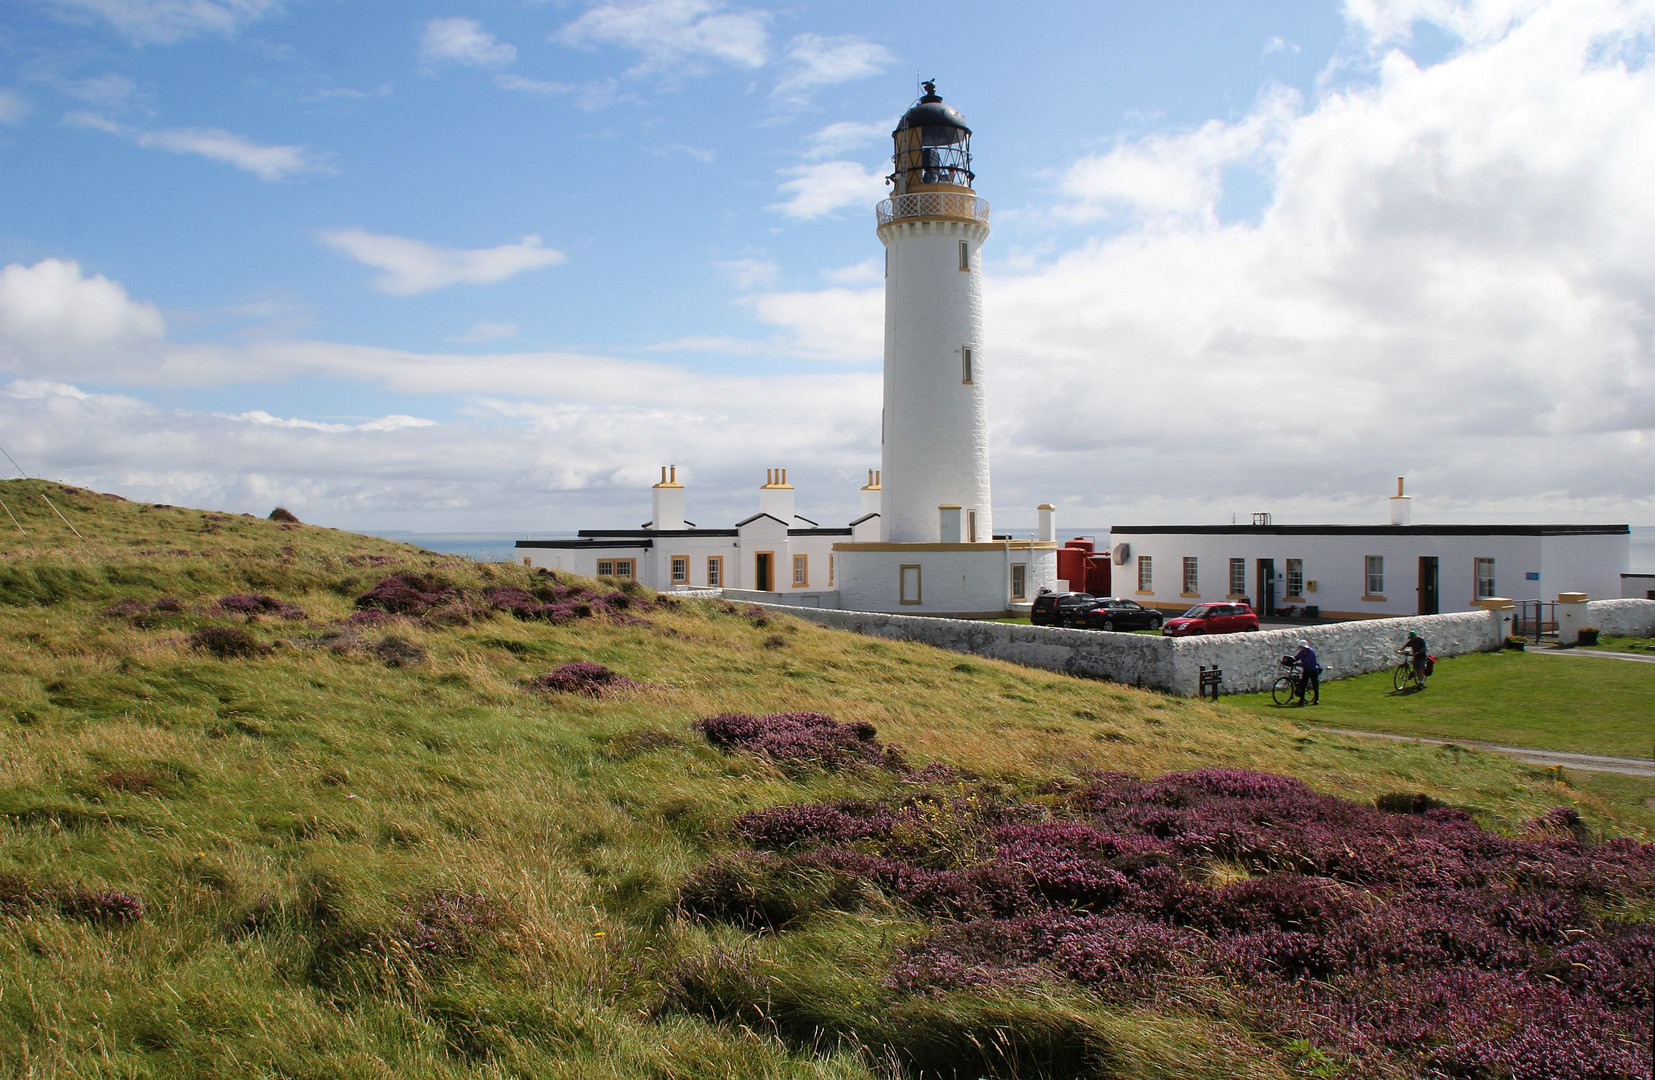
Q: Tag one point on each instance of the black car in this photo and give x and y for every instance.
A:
(1113, 613)
(1060, 609)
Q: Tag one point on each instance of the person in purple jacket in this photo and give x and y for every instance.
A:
(1311, 683)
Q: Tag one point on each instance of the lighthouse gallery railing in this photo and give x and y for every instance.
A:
(933, 204)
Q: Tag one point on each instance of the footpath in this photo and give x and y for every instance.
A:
(1527, 754)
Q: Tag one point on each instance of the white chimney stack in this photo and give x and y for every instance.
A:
(668, 500)
(1048, 523)
(776, 496)
(870, 494)
(1401, 511)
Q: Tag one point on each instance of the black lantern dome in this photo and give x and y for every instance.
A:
(933, 147)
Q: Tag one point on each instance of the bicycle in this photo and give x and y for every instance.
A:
(1289, 685)
(1405, 674)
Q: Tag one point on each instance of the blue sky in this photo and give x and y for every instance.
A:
(488, 265)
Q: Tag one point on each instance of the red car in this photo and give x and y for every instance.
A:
(1228, 618)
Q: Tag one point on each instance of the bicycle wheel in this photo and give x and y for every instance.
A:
(1283, 691)
(1399, 677)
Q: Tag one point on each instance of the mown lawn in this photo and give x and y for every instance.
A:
(1585, 705)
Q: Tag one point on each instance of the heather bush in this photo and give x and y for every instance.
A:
(396, 651)
(258, 604)
(227, 642)
(801, 739)
(406, 594)
(284, 515)
(584, 677)
(1399, 935)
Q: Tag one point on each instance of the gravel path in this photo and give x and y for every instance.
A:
(1644, 767)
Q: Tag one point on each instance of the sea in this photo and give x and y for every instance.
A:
(501, 547)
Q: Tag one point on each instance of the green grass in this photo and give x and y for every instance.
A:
(284, 817)
(1608, 643)
(1514, 698)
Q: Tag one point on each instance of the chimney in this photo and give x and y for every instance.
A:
(1048, 523)
(667, 498)
(776, 496)
(870, 494)
(1401, 512)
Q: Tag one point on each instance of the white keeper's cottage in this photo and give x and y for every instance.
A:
(924, 542)
(1366, 571)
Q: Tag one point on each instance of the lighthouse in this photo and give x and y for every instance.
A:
(934, 429)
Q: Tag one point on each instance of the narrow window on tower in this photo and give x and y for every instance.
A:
(965, 255)
(965, 365)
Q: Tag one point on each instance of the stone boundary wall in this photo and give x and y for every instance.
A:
(1623, 618)
(1249, 661)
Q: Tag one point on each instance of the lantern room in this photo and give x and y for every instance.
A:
(933, 148)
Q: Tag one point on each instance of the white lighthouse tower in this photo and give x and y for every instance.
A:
(937, 552)
(934, 433)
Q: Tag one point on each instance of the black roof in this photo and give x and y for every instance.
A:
(585, 544)
(1375, 530)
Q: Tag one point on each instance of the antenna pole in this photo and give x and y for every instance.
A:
(14, 463)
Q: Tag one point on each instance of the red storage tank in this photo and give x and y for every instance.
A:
(1098, 575)
(1071, 563)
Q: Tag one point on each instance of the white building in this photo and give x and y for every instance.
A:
(1366, 571)
(924, 542)
(774, 550)
(937, 553)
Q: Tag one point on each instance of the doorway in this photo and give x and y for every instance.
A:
(1428, 585)
(764, 571)
(1266, 591)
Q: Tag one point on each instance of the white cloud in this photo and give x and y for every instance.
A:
(109, 92)
(814, 191)
(383, 423)
(673, 36)
(414, 266)
(1181, 175)
(163, 22)
(815, 60)
(866, 272)
(486, 331)
(841, 324)
(55, 320)
(748, 274)
(543, 87)
(13, 108)
(268, 163)
(845, 136)
(465, 42)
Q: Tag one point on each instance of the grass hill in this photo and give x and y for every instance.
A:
(279, 800)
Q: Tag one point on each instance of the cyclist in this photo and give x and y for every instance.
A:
(1415, 649)
(1311, 679)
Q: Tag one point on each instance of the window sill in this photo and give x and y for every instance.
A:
(1190, 595)
(1293, 599)
(1144, 592)
(1373, 599)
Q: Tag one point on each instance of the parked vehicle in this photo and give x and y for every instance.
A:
(1228, 618)
(1114, 613)
(1061, 609)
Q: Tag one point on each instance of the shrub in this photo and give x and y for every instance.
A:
(100, 905)
(397, 652)
(227, 642)
(258, 604)
(406, 594)
(1588, 635)
(805, 739)
(284, 515)
(1401, 935)
(1515, 643)
(583, 677)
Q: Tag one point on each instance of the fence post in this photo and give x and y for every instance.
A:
(1501, 610)
(1571, 616)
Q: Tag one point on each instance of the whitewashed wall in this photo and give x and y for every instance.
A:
(1566, 563)
(1623, 618)
(1250, 662)
(968, 579)
(935, 431)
